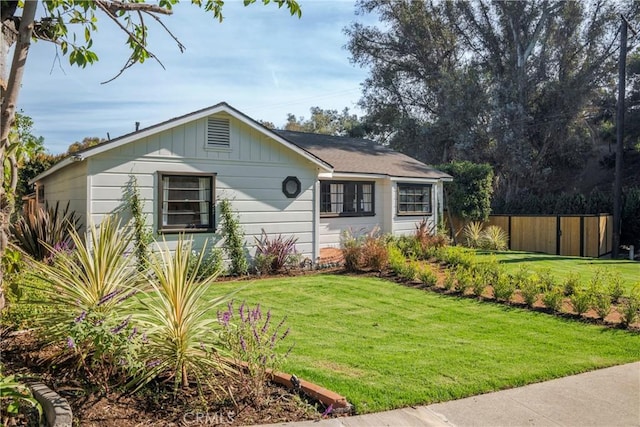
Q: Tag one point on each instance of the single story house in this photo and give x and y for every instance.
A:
(291, 183)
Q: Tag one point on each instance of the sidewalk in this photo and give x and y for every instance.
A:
(606, 397)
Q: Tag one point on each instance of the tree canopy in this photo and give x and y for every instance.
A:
(508, 83)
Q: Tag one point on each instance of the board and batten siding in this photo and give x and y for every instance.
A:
(68, 186)
(249, 173)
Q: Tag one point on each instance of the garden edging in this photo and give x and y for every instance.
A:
(55, 407)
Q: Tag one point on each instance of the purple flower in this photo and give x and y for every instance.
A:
(257, 313)
(243, 344)
(105, 299)
(144, 338)
(285, 334)
(266, 322)
(121, 326)
(81, 317)
(70, 343)
(133, 333)
(241, 311)
(255, 334)
(327, 411)
(153, 363)
(127, 296)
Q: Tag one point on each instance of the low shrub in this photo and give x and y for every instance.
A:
(546, 280)
(529, 290)
(351, 250)
(630, 306)
(279, 250)
(571, 283)
(450, 280)
(472, 233)
(397, 259)
(427, 276)
(211, 264)
(373, 253)
(615, 288)
(429, 238)
(503, 288)
(494, 238)
(465, 279)
(252, 340)
(581, 301)
(553, 298)
(601, 303)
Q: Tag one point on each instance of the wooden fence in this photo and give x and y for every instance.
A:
(567, 235)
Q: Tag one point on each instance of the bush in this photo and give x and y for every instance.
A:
(351, 250)
(450, 280)
(429, 238)
(581, 301)
(630, 306)
(252, 341)
(529, 290)
(494, 238)
(40, 232)
(427, 276)
(107, 347)
(553, 298)
(15, 395)
(571, 283)
(615, 287)
(465, 279)
(472, 233)
(279, 250)
(373, 252)
(503, 288)
(601, 303)
(397, 259)
(211, 264)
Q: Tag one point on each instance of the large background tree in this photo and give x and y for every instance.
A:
(503, 82)
(70, 24)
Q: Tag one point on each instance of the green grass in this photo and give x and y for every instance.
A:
(563, 266)
(386, 346)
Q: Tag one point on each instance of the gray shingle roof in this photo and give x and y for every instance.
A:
(355, 155)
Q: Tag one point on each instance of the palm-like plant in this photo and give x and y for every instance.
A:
(38, 232)
(177, 320)
(92, 278)
(473, 234)
(494, 238)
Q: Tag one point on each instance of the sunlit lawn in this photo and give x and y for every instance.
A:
(562, 266)
(385, 346)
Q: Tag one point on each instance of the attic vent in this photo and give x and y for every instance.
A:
(217, 132)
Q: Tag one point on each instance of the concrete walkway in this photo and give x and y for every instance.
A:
(602, 398)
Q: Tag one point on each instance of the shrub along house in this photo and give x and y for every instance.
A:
(290, 183)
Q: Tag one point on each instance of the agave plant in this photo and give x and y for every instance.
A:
(180, 329)
(94, 277)
(38, 232)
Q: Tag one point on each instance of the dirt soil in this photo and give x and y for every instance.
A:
(22, 353)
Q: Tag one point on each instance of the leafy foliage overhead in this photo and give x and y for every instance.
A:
(508, 83)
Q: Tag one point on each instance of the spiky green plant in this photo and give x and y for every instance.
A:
(94, 277)
(180, 329)
(38, 232)
(472, 233)
(494, 238)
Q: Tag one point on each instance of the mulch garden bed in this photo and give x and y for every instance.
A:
(23, 354)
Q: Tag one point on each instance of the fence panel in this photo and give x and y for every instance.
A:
(567, 235)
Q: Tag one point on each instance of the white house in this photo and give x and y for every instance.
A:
(290, 183)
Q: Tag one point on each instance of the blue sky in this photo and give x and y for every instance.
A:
(260, 60)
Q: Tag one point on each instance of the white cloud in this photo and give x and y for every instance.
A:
(260, 60)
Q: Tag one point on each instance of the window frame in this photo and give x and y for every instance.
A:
(401, 186)
(168, 229)
(359, 195)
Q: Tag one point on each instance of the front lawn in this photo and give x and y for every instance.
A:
(562, 266)
(386, 346)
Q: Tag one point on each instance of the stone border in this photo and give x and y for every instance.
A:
(56, 408)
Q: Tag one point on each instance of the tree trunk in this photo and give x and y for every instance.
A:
(7, 118)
